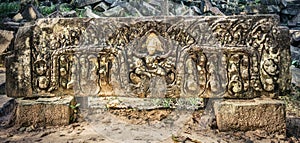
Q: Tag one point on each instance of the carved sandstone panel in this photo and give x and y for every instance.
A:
(234, 57)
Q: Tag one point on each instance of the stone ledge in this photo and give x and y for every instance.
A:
(44, 111)
(246, 115)
(94, 102)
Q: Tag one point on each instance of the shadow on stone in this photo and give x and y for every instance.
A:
(2, 89)
(293, 127)
(7, 107)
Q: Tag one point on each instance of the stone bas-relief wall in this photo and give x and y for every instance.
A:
(230, 57)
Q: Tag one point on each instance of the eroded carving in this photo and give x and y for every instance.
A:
(234, 57)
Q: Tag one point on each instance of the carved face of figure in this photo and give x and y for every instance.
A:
(63, 60)
(43, 82)
(40, 67)
(153, 44)
(82, 60)
(63, 72)
(93, 61)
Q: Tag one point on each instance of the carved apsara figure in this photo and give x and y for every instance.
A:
(151, 61)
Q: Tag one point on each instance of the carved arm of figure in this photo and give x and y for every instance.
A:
(141, 70)
(160, 71)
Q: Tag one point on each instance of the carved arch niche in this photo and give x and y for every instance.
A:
(151, 57)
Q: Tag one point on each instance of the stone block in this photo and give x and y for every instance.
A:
(44, 111)
(246, 115)
(295, 45)
(7, 108)
(295, 53)
(295, 76)
(18, 68)
(5, 39)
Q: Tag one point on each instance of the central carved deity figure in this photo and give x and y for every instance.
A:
(151, 66)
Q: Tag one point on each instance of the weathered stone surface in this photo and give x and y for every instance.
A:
(81, 3)
(245, 115)
(295, 38)
(233, 57)
(295, 76)
(2, 82)
(31, 13)
(44, 111)
(18, 65)
(5, 39)
(7, 110)
(7, 105)
(139, 103)
(293, 126)
(18, 17)
(295, 53)
(295, 45)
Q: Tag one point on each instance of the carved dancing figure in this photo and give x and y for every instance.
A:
(74, 73)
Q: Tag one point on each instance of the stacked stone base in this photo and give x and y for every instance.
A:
(44, 111)
(245, 115)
